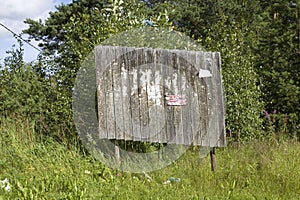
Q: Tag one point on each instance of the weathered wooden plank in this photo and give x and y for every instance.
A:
(154, 100)
(162, 58)
(194, 94)
(178, 82)
(220, 100)
(172, 121)
(203, 103)
(118, 98)
(130, 59)
(159, 100)
(110, 97)
(155, 104)
(145, 79)
(192, 110)
(101, 91)
(214, 100)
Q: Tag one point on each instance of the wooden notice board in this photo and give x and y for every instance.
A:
(159, 95)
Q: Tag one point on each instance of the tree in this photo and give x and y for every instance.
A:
(24, 91)
(243, 102)
(196, 17)
(278, 59)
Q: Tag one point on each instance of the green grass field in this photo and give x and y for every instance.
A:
(49, 170)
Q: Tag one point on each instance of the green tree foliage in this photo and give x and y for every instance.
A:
(243, 103)
(16, 79)
(22, 90)
(278, 59)
(29, 95)
(196, 17)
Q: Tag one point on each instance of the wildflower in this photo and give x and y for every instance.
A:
(267, 115)
(5, 184)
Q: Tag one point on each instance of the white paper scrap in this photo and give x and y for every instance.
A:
(204, 73)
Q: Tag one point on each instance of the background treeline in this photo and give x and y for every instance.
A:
(259, 43)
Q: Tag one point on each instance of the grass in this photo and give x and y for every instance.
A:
(41, 168)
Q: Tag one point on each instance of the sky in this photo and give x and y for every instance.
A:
(12, 15)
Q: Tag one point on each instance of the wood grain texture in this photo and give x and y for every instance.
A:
(132, 89)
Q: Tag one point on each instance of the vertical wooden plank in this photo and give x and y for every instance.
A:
(211, 101)
(145, 79)
(129, 62)
(207, 140)
(179, 115)
(220, 104)
(171, 122)
(215, 95)
(160, 101)
(177, 90)
(110, 95)
(186, 90)
(124, 92)
(101, 54)
(118, 89)
(195, 113)
(154, 93)
(134, 104)
(141, 95)
(164, 60)
(100, 93)
(191, 111)
(215, 126)
(193, 82)
(203, 101)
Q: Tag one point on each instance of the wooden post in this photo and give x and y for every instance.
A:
(213, 159)
(117, 153)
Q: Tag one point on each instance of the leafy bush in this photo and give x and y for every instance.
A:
(27, 94)
(243, 102)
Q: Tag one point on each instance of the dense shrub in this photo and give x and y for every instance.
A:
(243, 102)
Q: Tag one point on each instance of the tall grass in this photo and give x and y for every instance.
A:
(41, 168)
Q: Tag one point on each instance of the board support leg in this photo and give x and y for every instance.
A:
(117, 153)
(213, 159)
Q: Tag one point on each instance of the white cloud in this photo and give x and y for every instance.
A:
(12, 15)
(14, 12)
(20, 9)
